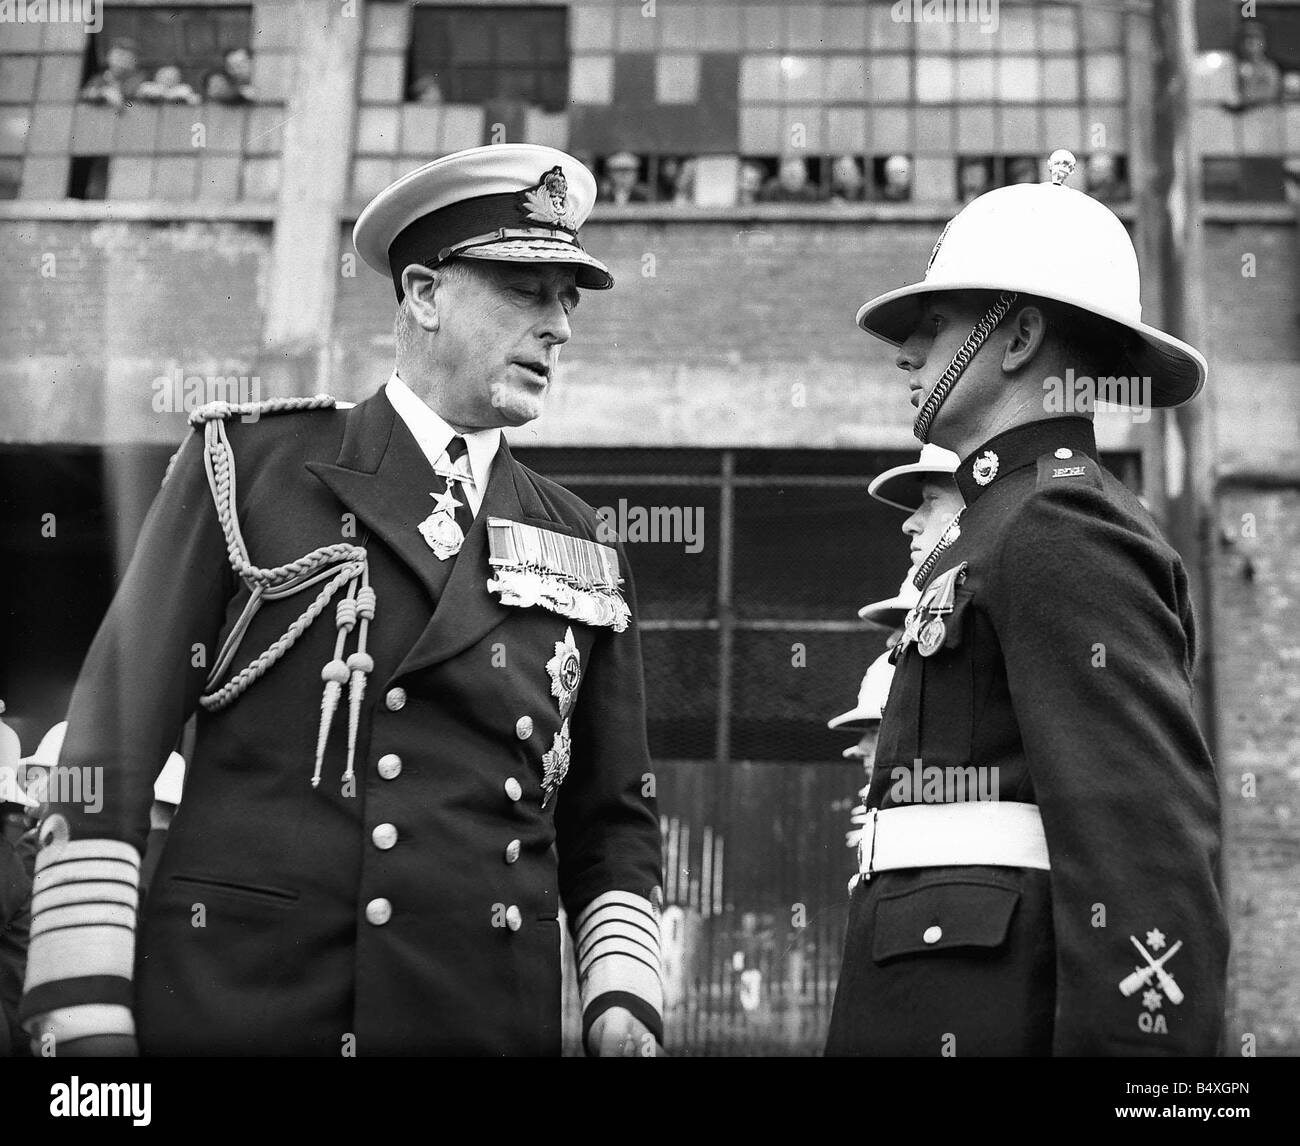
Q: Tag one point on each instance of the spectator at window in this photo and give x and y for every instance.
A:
(847, 182)
(1022, 169)
(749, 182)
(623, 184)
(1259, 80)
(426, 90)
(167, 86)
(117, 84)
(790, 184)
(239, 70)
(1102, 178)
(684, 185)
(973, 178)
(219, 88)
(897, 184)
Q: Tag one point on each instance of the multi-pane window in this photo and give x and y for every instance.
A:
(474, 54)
(177, 102)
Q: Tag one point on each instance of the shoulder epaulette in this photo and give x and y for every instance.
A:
(225, 410)
(1066, 465)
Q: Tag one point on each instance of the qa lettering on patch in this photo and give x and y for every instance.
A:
(1155, 982)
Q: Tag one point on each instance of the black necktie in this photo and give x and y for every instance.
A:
(457, 449)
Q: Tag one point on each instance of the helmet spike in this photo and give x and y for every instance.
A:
(1060, 165)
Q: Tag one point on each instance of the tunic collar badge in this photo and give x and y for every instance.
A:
(985, 467)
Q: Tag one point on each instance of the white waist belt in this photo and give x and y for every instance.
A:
(981, 832)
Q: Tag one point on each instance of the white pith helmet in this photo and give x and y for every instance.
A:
(872, 694)
(1049, 240)
(901, 486)
(167, 787)
(892, 611)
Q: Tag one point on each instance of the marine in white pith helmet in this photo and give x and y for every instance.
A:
(872, 694)
(926, 490)
(1041, 241)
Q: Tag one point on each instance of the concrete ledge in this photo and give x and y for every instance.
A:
(133, 211)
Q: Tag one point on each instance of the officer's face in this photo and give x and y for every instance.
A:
(500, 329)
(940, 502)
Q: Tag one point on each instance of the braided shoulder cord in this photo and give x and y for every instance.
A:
(341, 563)
(965, 352)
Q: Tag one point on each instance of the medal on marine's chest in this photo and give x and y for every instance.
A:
(930, 639)
(938, 603)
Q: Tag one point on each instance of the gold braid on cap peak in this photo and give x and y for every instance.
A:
(338, 565)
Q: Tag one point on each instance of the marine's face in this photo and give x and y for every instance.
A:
(940, 503)
(945, 322)
(500, 329)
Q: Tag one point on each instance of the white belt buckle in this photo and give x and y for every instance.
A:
(867, 843)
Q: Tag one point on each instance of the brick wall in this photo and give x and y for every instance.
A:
(1256, 646)
(92, 313)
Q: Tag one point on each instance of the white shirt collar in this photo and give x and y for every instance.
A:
(433, 434)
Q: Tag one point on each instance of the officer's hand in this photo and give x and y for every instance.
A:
(619, 1033)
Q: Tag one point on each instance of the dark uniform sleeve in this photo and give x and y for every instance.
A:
(1096, 631)
(608, 834)
(15, 923)
(139, 683)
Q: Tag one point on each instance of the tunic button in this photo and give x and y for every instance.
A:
(524, 727)
(513, 790)
(379, 911)
(514, 918)
(390, 766)
(932, 934)
(512, 851)
(385, 836)
(1063, 453)
(396, 699)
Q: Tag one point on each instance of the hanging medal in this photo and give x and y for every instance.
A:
(440, 529)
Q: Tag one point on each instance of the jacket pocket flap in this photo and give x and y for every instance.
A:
(942, 917)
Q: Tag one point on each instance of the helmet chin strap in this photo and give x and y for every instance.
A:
(965, 352)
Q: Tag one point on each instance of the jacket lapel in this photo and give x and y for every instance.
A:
(382, 475)
(466, 611)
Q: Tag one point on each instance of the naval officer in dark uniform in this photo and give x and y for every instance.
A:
(419, 691)
(1038, 860)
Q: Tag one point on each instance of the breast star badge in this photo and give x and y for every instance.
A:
(565, 671)
(555, 764)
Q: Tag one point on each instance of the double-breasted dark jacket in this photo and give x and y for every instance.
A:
(415, 910)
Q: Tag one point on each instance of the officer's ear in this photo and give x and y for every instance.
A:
(420, 287)
(1027, 330)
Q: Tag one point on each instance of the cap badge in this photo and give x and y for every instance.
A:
(985, 468)
(548, 202)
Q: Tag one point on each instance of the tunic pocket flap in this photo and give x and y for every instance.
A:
(942, 917)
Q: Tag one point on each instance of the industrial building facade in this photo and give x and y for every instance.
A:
(164, 253)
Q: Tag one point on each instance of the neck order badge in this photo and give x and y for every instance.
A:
(445, 528)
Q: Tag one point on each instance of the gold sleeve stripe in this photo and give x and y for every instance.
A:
(76, 952)
(103, 891)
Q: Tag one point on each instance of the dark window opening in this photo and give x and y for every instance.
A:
(88, 177)
(477, 55)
